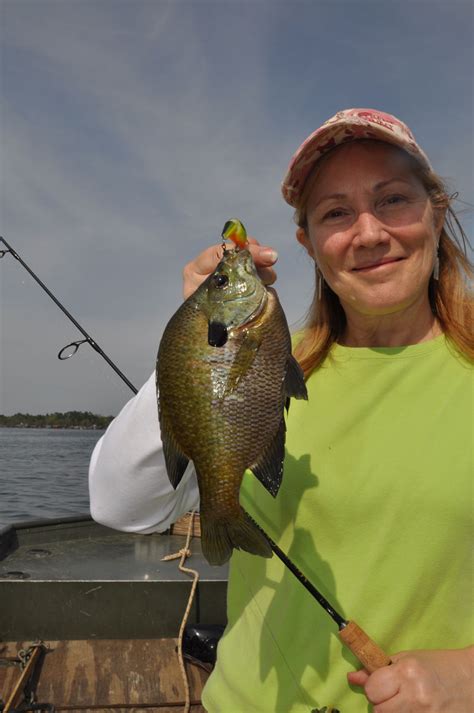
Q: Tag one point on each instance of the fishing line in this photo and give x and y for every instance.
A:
(62, 355)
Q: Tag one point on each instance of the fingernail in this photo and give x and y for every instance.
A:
(268, 254)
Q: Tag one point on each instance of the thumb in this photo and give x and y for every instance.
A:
(358, 678)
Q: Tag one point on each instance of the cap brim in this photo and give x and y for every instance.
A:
(329, 137)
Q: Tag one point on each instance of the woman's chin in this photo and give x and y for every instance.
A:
(380, 302)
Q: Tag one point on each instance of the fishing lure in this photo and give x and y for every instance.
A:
(234, 230)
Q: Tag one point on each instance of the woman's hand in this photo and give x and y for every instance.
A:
(196, 271)
(421, 682)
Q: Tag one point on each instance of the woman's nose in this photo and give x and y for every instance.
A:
(369, 231)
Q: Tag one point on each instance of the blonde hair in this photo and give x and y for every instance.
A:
(450, 296)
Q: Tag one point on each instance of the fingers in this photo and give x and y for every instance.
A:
(267, 275)
(264, 257)
(196, 271)
(358, 678)
(380, 686)
(419, 680)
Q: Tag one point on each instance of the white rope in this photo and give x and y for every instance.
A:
(183, 554)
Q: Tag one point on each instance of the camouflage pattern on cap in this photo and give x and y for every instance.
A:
(345, 126)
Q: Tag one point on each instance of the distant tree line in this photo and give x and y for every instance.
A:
(70, 419)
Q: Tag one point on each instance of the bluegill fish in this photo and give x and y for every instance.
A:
(224, 375)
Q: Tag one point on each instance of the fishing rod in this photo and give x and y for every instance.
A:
(362, 646)
(62, 355)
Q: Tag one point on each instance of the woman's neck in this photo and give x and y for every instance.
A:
(411, 325)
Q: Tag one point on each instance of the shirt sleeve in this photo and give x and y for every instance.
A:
(129, 487)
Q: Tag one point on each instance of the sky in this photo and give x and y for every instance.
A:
(131, 130)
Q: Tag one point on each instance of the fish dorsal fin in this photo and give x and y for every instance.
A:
(175, 460)
(294, 380)
(243, 361)
(269, 467)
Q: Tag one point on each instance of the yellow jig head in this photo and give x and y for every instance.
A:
(235, 231)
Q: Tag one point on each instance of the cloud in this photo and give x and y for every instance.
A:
(133, 130)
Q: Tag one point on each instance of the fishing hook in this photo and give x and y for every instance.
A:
(225, 249)
(78, 343)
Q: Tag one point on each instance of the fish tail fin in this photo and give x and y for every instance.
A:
(220, 537)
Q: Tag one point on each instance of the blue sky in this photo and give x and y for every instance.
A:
(131, 130)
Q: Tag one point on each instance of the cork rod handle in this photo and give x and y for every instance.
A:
(369, 654)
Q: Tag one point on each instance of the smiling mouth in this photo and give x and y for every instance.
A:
(376, 265)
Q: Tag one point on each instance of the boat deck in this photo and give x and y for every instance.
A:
(108, 675)
(109, 611)
(76, 579)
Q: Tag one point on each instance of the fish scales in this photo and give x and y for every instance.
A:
(229, 427)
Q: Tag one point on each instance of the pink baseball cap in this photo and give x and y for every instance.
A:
(345, 126)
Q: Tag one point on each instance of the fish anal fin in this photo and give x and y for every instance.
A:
(294, 380)
(219, 537)
(175, 460)
(269, 467)
(243, 361)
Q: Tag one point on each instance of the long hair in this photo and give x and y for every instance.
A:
(450, 296)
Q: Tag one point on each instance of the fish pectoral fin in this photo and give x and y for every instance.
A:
(269, 467)
(175, 460)
(294, 381)
(243, 361)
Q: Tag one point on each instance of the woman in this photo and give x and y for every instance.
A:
(373, 507)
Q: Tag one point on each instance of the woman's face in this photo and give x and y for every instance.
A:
(371, 229)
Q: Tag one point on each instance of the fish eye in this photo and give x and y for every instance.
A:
(220, 280)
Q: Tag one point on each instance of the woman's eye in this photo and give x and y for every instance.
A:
(394, 200)
(334, 213)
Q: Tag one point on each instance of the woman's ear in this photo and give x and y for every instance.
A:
(303, 240)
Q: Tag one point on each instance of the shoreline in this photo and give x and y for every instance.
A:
(56, 428)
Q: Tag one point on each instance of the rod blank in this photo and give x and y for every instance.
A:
(87, 336)
(362, 646)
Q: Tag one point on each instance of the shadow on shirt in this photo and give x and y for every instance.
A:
(295, 631)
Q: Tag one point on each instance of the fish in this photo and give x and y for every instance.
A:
(224, 375)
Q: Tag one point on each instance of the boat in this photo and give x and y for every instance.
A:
(89, 617)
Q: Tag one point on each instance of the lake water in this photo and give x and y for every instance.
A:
(43, 473)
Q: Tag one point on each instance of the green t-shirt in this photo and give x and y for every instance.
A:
(375, 508)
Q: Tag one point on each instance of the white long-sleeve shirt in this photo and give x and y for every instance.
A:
(128, 484)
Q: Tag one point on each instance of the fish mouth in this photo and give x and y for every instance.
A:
(240, 295)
